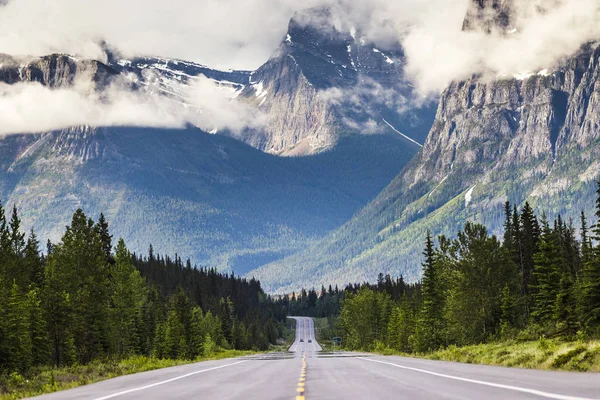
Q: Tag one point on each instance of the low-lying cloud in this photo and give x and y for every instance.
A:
(244, 33)
(439, 52)
(31, 107)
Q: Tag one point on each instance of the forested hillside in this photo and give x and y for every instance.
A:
(539, 281)
(87, 301)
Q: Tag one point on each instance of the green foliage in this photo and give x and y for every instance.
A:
(83, 303)
(364, 318)
(540, 282)
(547, 272)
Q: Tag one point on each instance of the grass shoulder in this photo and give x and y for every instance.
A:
(545, 354)
(42, 380)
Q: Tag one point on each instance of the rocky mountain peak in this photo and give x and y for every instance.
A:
(488, 15)
(55, 71)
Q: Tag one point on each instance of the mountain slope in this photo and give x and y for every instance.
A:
(211, 197)
(534, 138)
(322, 84)
(208, 197)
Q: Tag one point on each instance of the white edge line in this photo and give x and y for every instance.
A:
(403, 135)
(496, 385)
(110, 396)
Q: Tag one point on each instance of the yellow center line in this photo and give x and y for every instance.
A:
(302, 380)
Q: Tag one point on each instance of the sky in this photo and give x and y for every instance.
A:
(242, 34)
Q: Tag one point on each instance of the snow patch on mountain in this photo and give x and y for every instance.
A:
(469, 196)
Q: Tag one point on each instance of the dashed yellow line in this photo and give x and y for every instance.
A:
(300, 390)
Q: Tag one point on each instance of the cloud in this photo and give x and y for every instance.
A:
(543, 34)
(438, 51)
(244, 33)
(31, 107)
(220, 33)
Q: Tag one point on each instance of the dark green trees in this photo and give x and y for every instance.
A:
(431, 322)
(541, 280)
(84, 301)
(547, 274)
(590, 277)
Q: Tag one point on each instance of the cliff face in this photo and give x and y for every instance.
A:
(489, 15)
(55, 71)
(322, 84)
(209, 197)
(529, 138)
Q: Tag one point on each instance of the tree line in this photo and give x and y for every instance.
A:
(85, 300)
(541, 279)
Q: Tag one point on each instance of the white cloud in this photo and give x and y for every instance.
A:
(244, 33)
(220, 33)
(438, 51)
(31, 107)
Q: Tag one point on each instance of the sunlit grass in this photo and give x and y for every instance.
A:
(541, 354)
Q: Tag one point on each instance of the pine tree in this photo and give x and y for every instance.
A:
(128, 294)
(38, 329)
(510, 237)
(81, 262)
(16, 240)
(198, 332)
(590, 279)
(4, 238)
(547, 274)
(18, 335)
(431, 313)
(105, 237)
(33, 261)
(58, 310)
(586, 245)
(565, 309)
(530, 236)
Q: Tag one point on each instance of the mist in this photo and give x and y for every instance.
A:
(242, 34)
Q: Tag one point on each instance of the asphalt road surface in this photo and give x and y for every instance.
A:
(306, 373)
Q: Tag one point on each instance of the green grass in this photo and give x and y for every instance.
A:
(47, 379)
(583, 356)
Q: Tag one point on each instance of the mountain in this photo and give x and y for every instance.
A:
(323, 83)
(55, 71)
(532, 137)
(212, 197)
(208, 197)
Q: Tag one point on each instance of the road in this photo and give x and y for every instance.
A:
(306, 373)
(306, 340)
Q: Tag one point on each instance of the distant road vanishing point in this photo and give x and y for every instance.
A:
(307, 372)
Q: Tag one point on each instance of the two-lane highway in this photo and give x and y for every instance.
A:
(306, 373)
(305, 336)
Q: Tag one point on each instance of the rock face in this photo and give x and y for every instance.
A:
(489, 15)
(322, 84)
(210, 197)
(55, 71)
(530, 138)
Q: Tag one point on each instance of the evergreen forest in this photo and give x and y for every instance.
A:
(84, 300)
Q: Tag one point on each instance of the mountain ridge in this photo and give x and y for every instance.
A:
(533, 137)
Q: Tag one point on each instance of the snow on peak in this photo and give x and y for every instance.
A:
(288, 38)
(350, 56)
(387, 59)
(469, 196)
(259, 89)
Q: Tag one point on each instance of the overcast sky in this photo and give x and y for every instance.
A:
(242, 34)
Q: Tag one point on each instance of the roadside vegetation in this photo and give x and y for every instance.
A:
(530, 299)
(84, 311)
(41, 380)
(541, 354)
